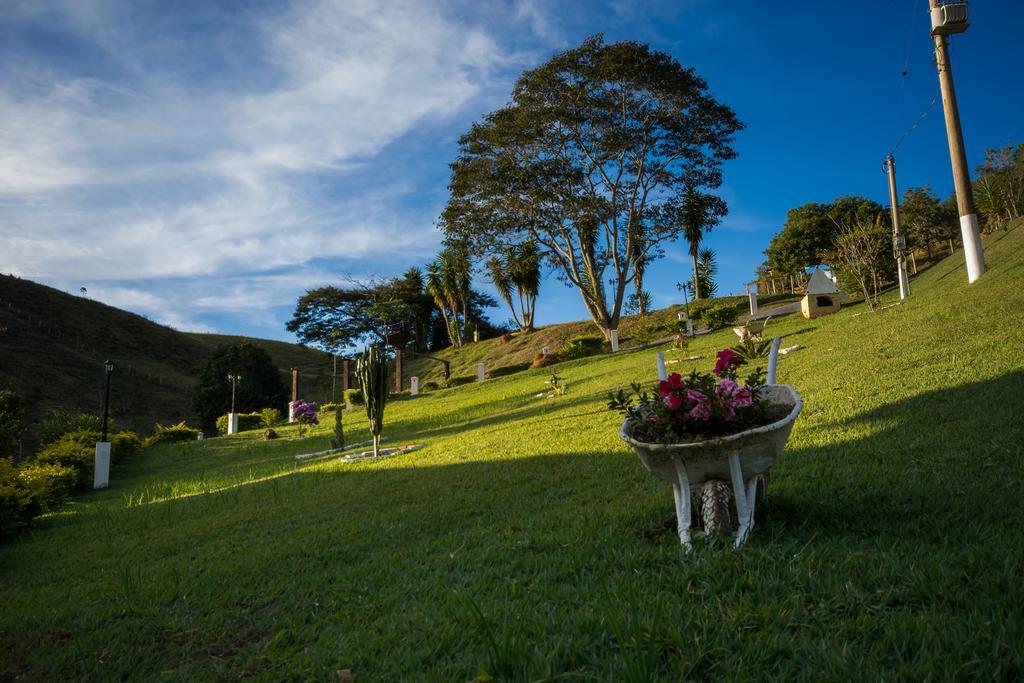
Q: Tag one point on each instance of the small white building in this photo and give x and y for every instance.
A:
(823, 297)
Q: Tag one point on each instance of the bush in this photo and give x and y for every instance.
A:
(648, 332)
(17, 506)
(331, 407)
(77, 450)
(61, 422)
(246, 421)
(399, 394)
(354, 396)
(12, 421)
(581, 347)
(48, 483)
(270, 417)
(431, 386)
(171, 434)
(459, 381)
(719, 315)
(543, 360)
(508, 370)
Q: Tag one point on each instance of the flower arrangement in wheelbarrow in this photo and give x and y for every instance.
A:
(706, 429)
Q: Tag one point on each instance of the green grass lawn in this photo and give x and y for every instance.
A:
(526, 542)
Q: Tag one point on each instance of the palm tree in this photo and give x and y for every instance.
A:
(518, 268)
(700, 212)
(436, 288)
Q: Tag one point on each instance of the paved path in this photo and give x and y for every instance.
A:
(784, 309)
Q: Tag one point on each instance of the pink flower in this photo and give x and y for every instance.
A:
(727, 359)
(694, 396)
(666, 386)
(701, 411)
(727, 387)
(674, 401)
(741, 398)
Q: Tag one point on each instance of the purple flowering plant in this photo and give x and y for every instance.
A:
(700, 405)
(305, 414)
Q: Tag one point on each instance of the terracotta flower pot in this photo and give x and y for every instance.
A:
(741, 458)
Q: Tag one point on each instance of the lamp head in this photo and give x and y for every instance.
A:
(108, 365)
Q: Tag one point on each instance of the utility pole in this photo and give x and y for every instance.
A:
(899, 242)
(946, 19)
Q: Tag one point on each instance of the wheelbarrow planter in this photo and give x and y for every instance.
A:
(742, 459)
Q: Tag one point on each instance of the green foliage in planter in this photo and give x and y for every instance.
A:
(372, 371)
(170, 434)
(246, 421)
(508, 370)
(270, 417)
(354, 396)
(581, 347)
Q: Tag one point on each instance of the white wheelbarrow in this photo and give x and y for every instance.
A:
(742, 459)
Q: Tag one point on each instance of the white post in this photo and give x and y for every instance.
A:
(101, 473)
(480, 372)
(614, 337)
(773, 359)
(662, 375)
(753, 302)
(681, 316)
(232, 423)
(546, 351)
(414, 386)
(291, 411)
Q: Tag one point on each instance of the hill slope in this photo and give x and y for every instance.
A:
(53, 344)
(526, 542)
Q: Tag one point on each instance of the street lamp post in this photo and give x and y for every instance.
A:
(101, 470)
(234, 378)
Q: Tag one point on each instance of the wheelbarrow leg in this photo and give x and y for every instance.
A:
(745, 495)
(681, 490)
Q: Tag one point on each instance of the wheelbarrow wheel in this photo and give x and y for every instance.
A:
(714, 508)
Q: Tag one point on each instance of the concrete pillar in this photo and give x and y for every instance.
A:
(101, 473)
(614, 338)
(662, 375)
(414, 386)
(232, 423)
(753, 302)
(480, 372)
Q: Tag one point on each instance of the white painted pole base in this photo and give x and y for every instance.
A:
(414, 386)
(613, 336)
(753, 303)
(972, 246)
(684, 515)
(661, 367)
(232, 423)
(904, 280)
(773, 359)
(101, 473)
(481, 372)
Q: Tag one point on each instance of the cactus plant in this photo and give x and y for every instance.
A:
(372, 372)
(338, 440)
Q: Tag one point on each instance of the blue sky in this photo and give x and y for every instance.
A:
(204, 163)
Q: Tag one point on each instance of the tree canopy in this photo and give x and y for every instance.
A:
(585, 160)
(260, 386)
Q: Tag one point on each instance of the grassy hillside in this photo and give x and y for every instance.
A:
(53, 344)
(526, 542)
(523, 347)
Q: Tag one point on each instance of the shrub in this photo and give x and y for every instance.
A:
(173, 433)
(543, 360)
(719, 315)
(269, 434)
(77, 450)
(399, 394)
(246, 421)
(431, 386)
(48, 483)
(581, 347)
(331, 407)
(648, 332)
(61, 422)
(12, 421)
(270, 417)
(354, 396)
(123, 444)
(508, 370)
(17, 506)
(459, 381)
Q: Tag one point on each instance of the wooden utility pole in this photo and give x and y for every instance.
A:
(957, 154)
(899, 242)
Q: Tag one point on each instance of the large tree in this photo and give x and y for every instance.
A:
(261, 385)
(924, 219)
(593, 146)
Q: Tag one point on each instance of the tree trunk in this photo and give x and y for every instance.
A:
(696, 278)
